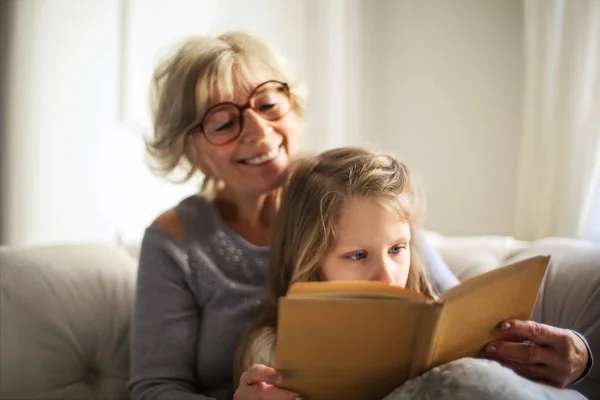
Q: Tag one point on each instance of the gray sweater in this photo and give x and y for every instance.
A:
(194, 300)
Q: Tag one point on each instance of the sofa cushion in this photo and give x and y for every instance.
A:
(65, 322)
(468, 256)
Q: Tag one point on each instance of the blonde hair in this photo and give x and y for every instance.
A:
(198, 73)
(305, 227)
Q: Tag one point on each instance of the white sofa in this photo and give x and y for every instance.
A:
(65, 309)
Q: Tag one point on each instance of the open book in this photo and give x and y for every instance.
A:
(361, 340)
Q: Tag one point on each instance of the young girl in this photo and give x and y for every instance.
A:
(349, 214)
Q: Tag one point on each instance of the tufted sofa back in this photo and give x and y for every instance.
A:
(64, 327)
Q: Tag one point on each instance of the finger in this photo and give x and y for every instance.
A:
(538, 333)
(259, 373)
(536, 372)
(264, 391)
(525, 353)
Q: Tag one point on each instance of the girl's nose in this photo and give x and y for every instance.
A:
(385, 272)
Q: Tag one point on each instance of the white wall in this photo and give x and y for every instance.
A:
(448, 78)
(61, 88)
(438, 83)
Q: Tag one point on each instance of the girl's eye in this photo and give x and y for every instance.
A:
(397, 249)
(359, 255)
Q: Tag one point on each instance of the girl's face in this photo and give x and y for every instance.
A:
(372, 245)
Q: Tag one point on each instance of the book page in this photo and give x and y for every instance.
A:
(347, 348)
(473, 311)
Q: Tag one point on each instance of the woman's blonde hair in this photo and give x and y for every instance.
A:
(198, 73)
(305, 227)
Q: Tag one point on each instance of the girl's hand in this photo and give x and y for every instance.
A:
(551, 355)
(259, 382)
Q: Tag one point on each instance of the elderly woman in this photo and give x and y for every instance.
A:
(227, 107)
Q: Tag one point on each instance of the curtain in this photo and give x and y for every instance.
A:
(560, 145)
(592, 232)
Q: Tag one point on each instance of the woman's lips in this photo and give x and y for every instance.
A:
(262, 158)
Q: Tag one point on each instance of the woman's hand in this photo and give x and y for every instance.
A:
(541, 352)
(259, 382)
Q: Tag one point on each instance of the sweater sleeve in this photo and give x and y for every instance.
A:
(165, 324)
(590, 363)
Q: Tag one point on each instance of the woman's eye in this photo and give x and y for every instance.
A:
(359, 255)
(223, 127)
(267, 107)
(397, 249)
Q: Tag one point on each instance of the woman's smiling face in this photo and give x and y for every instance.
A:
(254, 161)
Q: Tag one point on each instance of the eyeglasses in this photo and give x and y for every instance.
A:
(223, 122)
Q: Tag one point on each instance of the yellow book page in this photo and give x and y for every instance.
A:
(473, 311)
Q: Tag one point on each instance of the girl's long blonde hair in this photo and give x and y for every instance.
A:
(305, 227)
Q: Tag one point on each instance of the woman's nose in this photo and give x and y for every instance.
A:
(255, 128)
